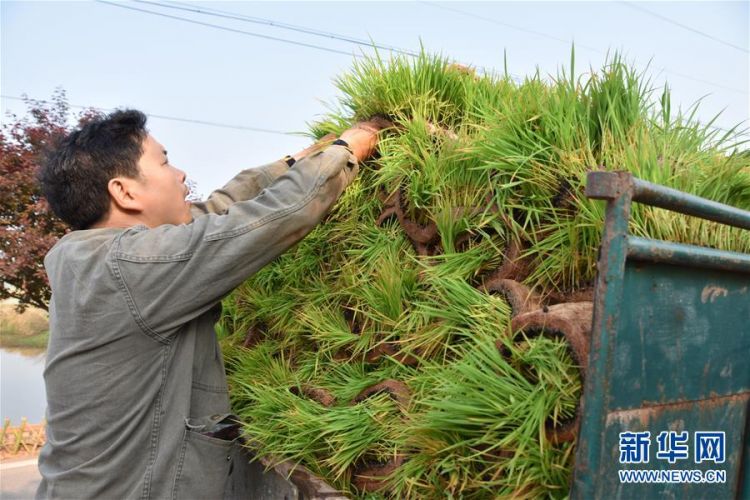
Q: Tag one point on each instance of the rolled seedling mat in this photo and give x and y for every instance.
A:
(520, 297)
(322, 396)
(397, 390)
(371, 475)
(392, 350)
(514, 265)
(571, 321)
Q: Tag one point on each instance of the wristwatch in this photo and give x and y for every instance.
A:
(341, 142)
(289, 161)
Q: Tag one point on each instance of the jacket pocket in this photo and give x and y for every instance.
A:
(203, 467)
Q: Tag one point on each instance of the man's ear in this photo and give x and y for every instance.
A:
(124, 193)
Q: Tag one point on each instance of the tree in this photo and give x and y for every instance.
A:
(28, 228)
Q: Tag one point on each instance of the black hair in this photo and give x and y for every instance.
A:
(75, 175)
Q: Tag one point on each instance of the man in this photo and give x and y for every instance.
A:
(136, 388)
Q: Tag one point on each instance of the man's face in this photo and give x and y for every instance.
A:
(161, 187)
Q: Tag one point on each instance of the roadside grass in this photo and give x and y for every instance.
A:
(29, 330)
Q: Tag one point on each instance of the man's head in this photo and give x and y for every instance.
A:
(111, 172)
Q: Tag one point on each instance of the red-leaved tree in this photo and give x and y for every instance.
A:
(28, 228)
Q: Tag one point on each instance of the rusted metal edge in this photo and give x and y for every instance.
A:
(649, 408)
(608, 185)
(686, 255)
(616, 188)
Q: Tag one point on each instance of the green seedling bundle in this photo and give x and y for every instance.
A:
(429, 338)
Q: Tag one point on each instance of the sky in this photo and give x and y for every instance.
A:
(108, 56)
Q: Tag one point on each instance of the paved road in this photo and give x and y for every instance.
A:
(19, 479)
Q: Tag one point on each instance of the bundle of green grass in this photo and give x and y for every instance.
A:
(388, 351)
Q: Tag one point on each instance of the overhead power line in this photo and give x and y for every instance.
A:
(562, 40)
(684, 26)
(507, 25)
(276, 24)
(311, 31)
(232, 30)
(163, 117)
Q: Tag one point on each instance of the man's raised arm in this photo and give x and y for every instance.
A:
(244, 186)
(248, 183)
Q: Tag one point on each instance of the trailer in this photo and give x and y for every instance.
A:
(669, 364)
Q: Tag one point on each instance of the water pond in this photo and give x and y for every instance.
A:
(22, 392)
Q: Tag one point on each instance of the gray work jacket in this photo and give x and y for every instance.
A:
(133, 369)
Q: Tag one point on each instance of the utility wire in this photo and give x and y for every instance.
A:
(507, 25)
(270, 22)
(551, 37)
(302, 29)
(163, 117)
(232, 30)
(684, 26)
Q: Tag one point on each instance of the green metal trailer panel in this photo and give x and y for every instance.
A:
(667, 391)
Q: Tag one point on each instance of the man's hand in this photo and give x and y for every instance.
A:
(363, 138)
